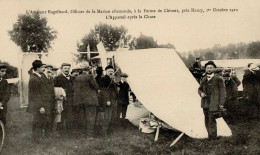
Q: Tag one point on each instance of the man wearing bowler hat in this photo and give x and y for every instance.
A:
(123, 97)
(212, 91)
(108, 99)
(65, 81)
(41, 102)
(4, 93)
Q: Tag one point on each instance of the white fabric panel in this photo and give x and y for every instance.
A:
(164, 85)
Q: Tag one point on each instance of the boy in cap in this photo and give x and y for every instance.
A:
(212, 91)
(65, 81)
(123, 96)
(4, 93)
(41, 104)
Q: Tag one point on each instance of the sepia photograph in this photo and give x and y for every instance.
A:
(129, 77)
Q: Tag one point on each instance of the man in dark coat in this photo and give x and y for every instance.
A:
(108, 99)
(99, 72)
(251, 87)
(197, 64)
(65, 81)
(251, 95)
(233, 76)
(49, 85)
(123, 96)
(231, 97)
(41, 102)
(212, 91)
(86, 99)
(4, 93)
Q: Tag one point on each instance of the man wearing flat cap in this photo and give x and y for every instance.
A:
(212, 91)
(123, 96)
(108, 99)
(86, 98)
(54, 71)
(75, 72)
(41, 102)
(4, 93)
(197, 64)
(233, 76)
(64, 80)
(48, 71)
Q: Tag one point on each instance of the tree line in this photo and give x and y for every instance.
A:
(217, 52)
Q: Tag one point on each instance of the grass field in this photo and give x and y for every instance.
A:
(127, 140)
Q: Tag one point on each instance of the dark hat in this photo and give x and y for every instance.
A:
(227, 71)
(218, 70)
(37, 64)
(99, 70)
(75, 70)
(124, 75)
(48, 65)
(65, 64)
(210, 63)
(2, 66)
(226, 75)
(109, 67)
(54, 68)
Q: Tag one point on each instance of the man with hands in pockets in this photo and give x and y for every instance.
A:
(41, 103)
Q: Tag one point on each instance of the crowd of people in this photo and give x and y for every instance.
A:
(219, 94)
(75, 99)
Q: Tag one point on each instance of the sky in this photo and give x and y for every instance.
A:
(186, 31)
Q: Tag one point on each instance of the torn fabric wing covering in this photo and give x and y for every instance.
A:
(164, 85)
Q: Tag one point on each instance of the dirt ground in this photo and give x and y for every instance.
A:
(126, 140)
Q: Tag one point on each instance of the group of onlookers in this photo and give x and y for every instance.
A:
(218, 90)
(77, 99)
